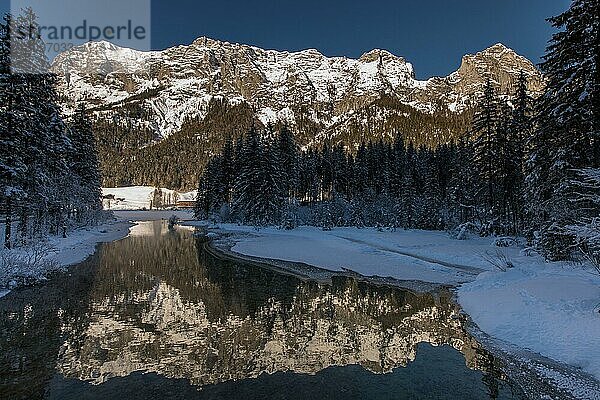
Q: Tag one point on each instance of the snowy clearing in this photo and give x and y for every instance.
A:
(141, 197)
(549, 308)
(154, 215)
(80, 244)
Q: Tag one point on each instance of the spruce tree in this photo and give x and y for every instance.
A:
(83, 165)
(429, 217)
(202, 206)
(486, 153)
(508, 176)
(228, 169)
(408, 197)
(288, 161)
(272, 188)
(567, 136)
(396, 163)
(520, 135)
(341, 178)
(13, 132)
(41, 162)
(464, 184)
(361, 171)
(247, 184)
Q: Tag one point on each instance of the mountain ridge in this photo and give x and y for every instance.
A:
(269, 80)
(147, 102)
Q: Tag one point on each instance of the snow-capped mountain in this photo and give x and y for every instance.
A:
(162, 114)
(179, 82)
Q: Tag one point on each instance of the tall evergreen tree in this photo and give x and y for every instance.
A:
(273, 189)
(13, 131)
(228, 169)
(487, 151)
(408, 196)
(289, 158)
(464, 185)
(396, 166)
(83, 165)
(41, 167)
(519, 134)
(508, 166)
(247, 182)
(567, 136)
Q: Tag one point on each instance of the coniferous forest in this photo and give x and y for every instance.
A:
(49, 178)
(525, 167)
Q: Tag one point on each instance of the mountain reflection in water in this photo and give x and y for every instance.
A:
(156, 303)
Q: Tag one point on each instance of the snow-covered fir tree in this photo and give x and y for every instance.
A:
(259, 191)
(289, 158)
(84, 166)
(519, 134)
(586, 231)
(567, 137)
(487, 152)
(408, 195)
(228, 169)
(211, 189)
(45, 185)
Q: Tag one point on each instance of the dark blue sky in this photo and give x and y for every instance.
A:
(431, 34)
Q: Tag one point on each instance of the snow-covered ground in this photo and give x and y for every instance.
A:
(549, 308)
(133, 216)
(59, 252)
(409, 255)
(141, 197)
(80, 244)
(56, 252)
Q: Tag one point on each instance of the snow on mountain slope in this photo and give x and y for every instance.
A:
(179, 82)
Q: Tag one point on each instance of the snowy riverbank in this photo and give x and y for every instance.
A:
(58, 252)
(549, 308)
(430, 256)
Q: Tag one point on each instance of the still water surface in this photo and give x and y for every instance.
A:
(155, 316)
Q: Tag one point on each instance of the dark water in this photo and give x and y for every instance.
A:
(155, 317)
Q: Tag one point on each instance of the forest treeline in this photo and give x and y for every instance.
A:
(524, 167)
(263, 178)
(132, 154)
(49, 178)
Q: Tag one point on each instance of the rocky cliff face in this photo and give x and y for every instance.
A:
(342, 99)
(179, 82)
